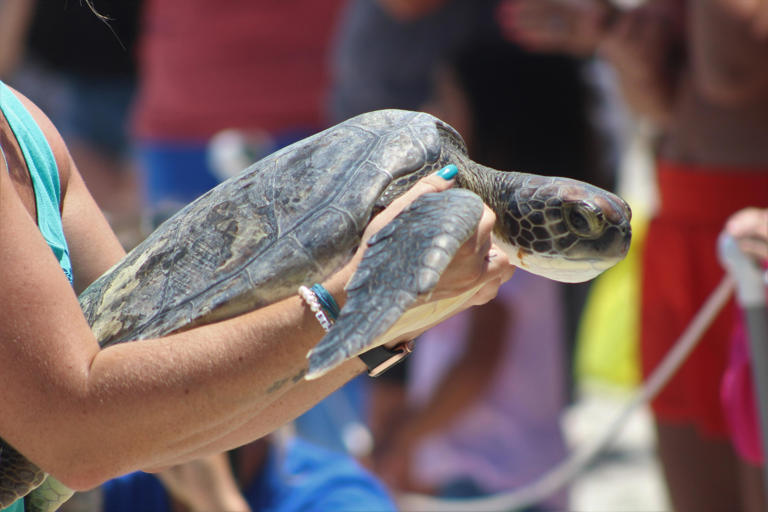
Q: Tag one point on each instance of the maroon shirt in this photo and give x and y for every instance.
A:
(248, 64)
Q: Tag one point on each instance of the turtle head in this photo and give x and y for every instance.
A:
(559, 228)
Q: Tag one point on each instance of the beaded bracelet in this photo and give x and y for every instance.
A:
(378, 359)
(314, 305)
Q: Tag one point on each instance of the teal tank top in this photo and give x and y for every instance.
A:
(44, 173)
(45, 180)
(17, 506)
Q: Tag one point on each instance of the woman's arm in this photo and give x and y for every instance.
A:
(86, 414)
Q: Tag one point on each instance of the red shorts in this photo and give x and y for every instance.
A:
(680, 270)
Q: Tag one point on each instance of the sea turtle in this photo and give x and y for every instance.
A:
(296, 216)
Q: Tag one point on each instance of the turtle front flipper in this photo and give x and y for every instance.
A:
(403, 261)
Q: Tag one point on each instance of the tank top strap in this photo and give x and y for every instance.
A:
(44, 174)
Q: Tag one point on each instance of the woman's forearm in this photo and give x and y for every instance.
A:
(175, 393)
(290, 405)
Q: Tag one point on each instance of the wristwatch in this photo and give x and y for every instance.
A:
(380, 359)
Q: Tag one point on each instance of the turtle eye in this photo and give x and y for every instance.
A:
(583, 219)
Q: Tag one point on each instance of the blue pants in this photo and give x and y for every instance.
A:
(173, 175)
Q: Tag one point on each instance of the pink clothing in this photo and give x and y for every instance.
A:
(512, 434)
(738, 396)
(739, 402)
(207, 66)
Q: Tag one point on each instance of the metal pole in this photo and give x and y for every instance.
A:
(751, 295)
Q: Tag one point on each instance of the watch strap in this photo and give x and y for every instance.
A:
(380, 359)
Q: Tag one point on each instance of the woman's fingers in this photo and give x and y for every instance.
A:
(478, 264)
(470, 263)
(437, 182)
(499, 272)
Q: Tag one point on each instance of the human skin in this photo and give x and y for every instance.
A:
(750, 229)
(716, 116)
(699, 71)
(753, 12)
(721, 103)
(14, 20)
(573, 27)
(696, 69)
(155, 403)
(208, 483)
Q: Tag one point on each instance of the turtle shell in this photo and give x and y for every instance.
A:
(292, 218)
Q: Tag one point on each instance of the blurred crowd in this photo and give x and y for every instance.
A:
(160, 100)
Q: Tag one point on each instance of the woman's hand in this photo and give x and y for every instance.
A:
(473, 277)
(478, 263)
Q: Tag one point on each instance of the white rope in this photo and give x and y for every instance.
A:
(571, 467)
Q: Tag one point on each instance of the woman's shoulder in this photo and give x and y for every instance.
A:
(53, 137)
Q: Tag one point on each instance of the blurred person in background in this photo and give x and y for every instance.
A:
(750, 229)
(268, 475)
(477, 410)
(81, 71)
(480, 409)
(699, 71)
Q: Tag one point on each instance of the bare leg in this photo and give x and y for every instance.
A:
(702, 475)
(752, 487)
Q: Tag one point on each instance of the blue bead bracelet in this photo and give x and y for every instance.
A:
(326, 301)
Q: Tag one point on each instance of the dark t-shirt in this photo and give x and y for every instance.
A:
(379, 62)
(530, 111)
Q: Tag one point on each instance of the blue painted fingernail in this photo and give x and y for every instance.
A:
(448, 172)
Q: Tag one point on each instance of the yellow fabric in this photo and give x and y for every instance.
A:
(608, 336)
